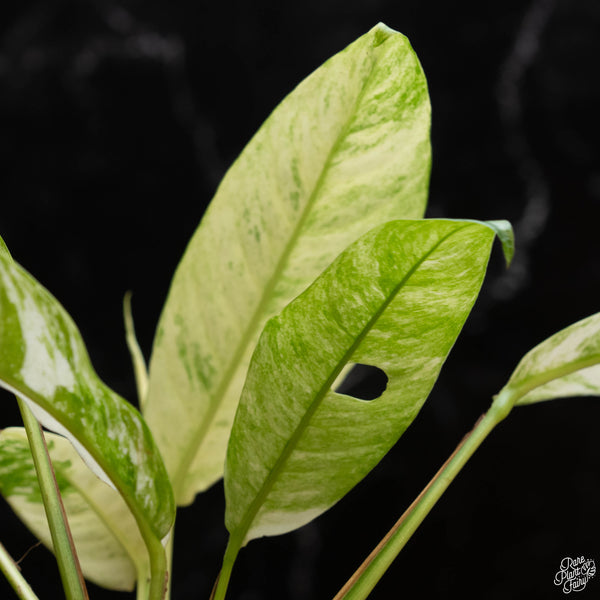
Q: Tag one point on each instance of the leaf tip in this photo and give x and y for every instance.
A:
(503, 229)
(4, 249)
(381, 33)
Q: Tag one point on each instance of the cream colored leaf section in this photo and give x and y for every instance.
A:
(108, 543)
(566, 364)
(347, 150)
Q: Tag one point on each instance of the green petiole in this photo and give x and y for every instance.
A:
(64, 549)
(362, 582)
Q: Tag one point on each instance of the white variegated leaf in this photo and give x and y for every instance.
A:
(347, 150)
(44, 362)
(109, 546)
(566, 364)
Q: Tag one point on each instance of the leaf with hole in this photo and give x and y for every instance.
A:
(396, 300)
(566, 364)
(108, 543)
(347, 150)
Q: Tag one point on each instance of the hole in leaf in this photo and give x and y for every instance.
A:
(364, 382)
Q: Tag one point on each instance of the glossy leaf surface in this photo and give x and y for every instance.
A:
(44, 361)
(109, 545)
(347, 150)
(566, 364)
(397, 300)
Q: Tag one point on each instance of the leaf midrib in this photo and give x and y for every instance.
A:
(241, 532)
(198, 438)
(531, 383)
(108, 523)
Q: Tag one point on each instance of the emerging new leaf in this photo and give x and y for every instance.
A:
(347, 150)
(397, 300)
(566, 364)
(108, 543)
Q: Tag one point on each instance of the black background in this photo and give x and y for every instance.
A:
(118, 120)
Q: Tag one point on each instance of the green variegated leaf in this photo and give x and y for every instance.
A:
(396, 299)
(566, 364)
(347, 150)
(109, 545)
(43, 361)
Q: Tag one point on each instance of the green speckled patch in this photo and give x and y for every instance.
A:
(17, 472)
(395, 299)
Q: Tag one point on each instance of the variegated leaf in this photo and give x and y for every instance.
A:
(347, 150)
(397, 300)
(109, 546)
(566, 364)
(43, 361)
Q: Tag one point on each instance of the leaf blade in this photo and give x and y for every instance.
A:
(564, 365)
(108, 542)
(347, 150)
(43, 360)
(296, 446)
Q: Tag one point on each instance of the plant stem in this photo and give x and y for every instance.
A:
(360, 585)
(169, 553)
(158, 566)
(142, 587)
(231, 552)
(62, 542)
(15, 578)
